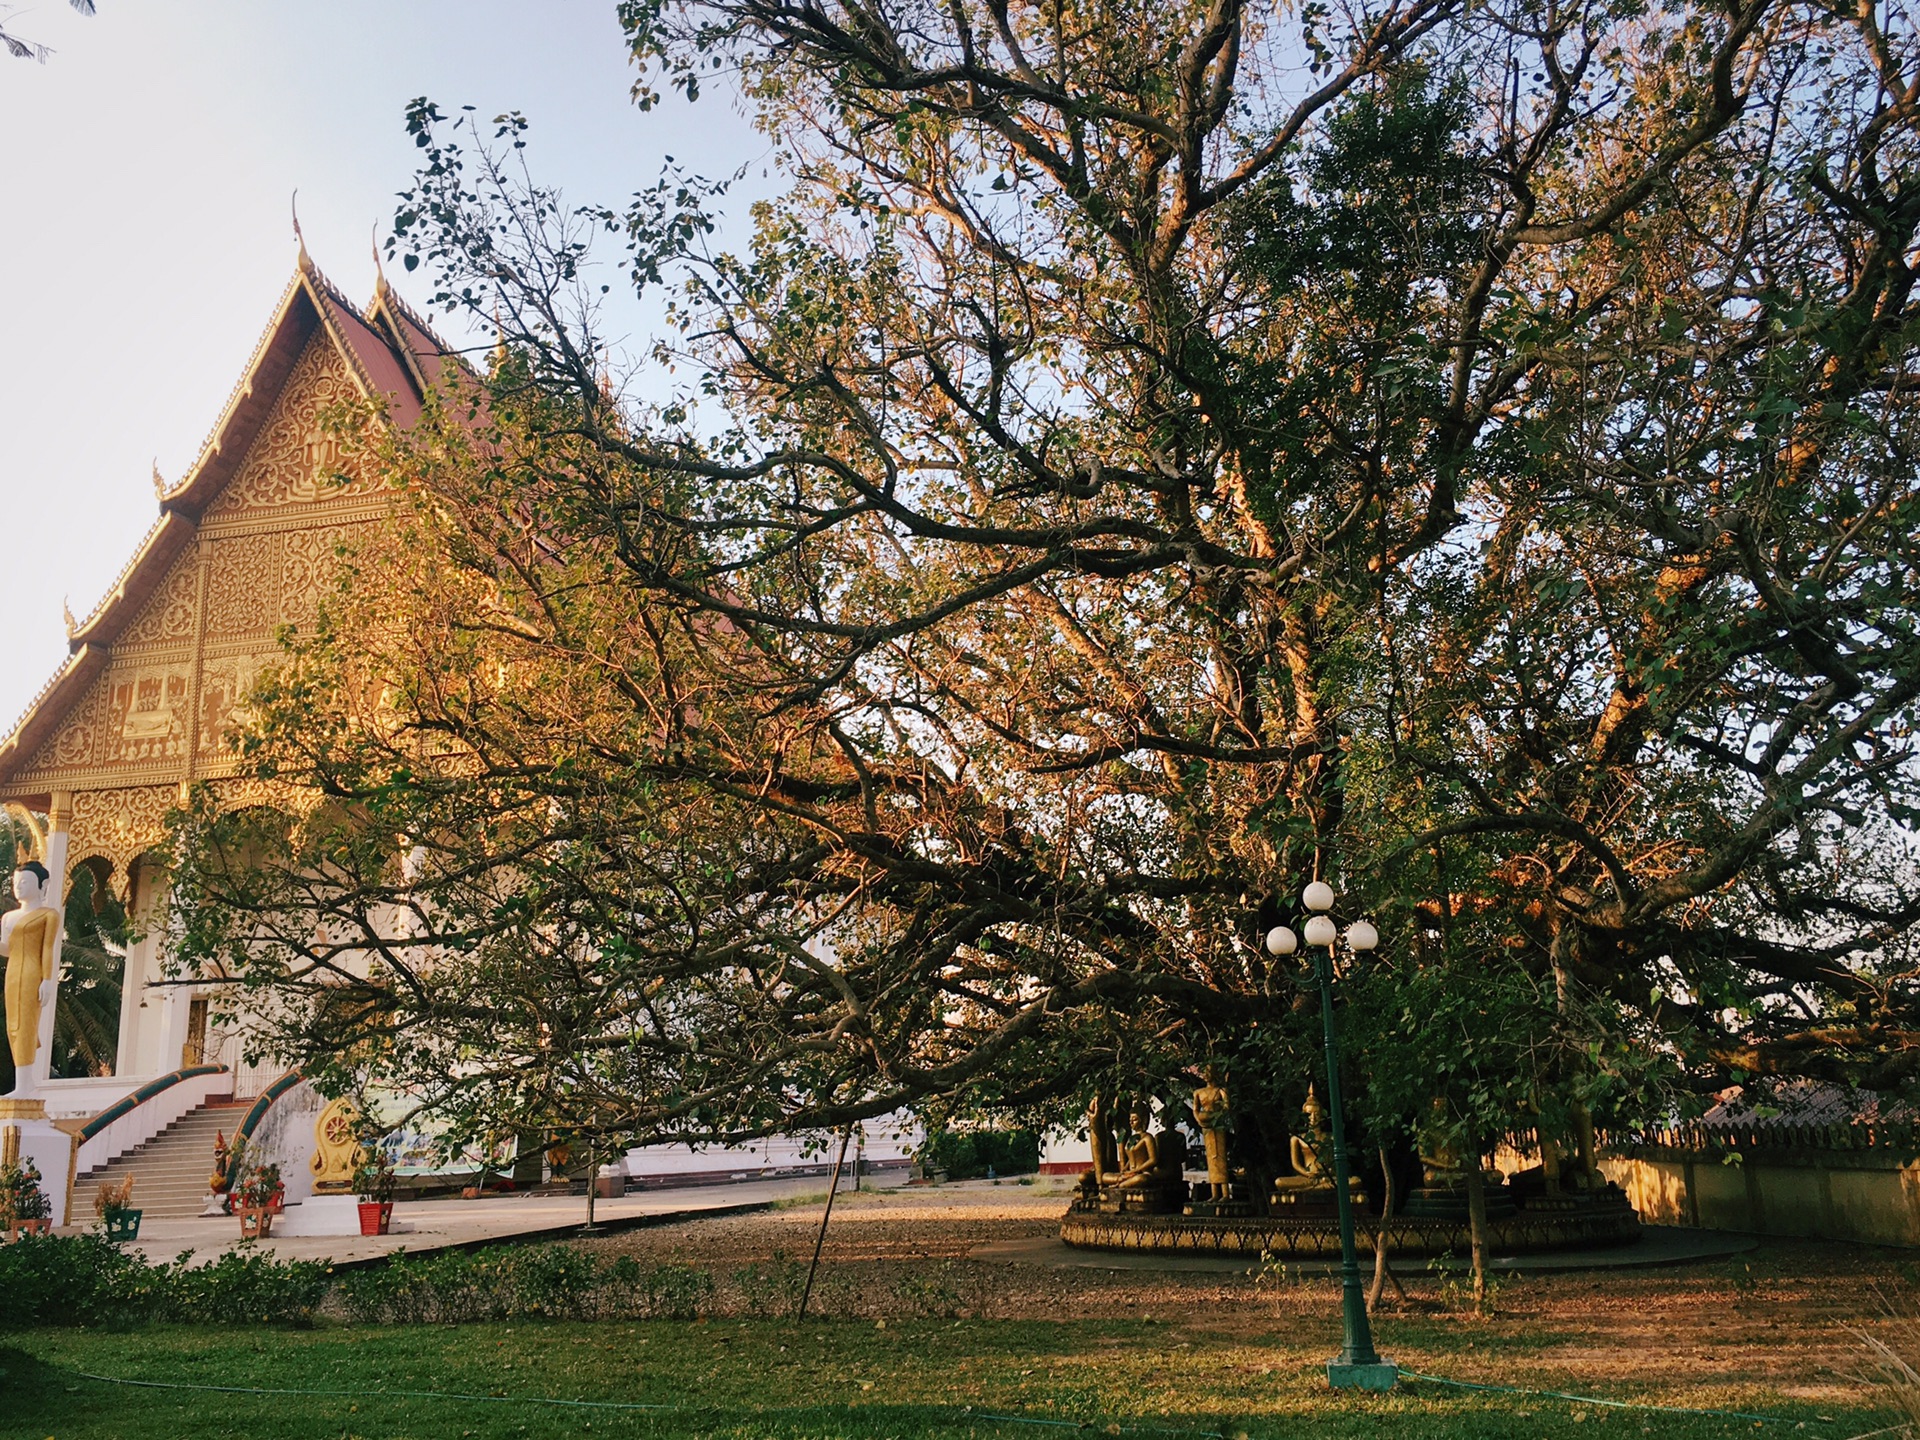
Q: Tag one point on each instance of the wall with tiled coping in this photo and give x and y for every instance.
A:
(1835, 1182)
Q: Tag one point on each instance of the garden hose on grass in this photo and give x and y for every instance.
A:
(967, 1411)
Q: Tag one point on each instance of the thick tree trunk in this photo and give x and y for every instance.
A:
(1477, 1222)
(1382, 1241)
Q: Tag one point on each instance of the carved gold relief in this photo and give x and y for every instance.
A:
(76, 741)
(337, 1152)
(224, 686)
(169, 614)
(294, 461)
(248, 794)
(243, 584)
(311, 569)
(147, 716)
(119, 825)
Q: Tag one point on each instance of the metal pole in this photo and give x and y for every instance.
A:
(1357, 1365)
(593, 1185)
(833, 1187)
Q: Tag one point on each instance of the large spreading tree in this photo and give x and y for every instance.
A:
(1150, 456)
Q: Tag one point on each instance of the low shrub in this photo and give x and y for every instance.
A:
(969, 1154)
(89, 1281)
(241, 1288)
(773, 1288)
(670, 1292)
(85, 1280)
(519, 1282)
(76, 1280)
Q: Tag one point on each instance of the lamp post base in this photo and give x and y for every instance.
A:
(1348, 1375)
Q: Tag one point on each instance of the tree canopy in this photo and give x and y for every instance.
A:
(1149, 457)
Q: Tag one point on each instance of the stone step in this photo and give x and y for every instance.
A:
(160, 1160)
(169, 1170)
(143, 1187)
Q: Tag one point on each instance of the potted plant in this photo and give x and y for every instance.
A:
(375, 1180)
(23, 1204)
(256, 1199)
(113, 1204)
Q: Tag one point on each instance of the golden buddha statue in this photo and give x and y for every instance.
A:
(1150, 1159)
(28, 935)
(1586, 1175)
(1210, 1109)
(1445, 1155)
(1311, 1158)
(1100, 1140)
(1304, 1154)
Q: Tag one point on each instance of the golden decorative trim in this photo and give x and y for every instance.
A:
(25, 817)
(23, 1110)
(316, 515)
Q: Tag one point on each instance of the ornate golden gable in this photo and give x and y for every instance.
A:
(248, 544)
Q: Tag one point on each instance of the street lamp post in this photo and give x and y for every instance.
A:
(1357, 1366)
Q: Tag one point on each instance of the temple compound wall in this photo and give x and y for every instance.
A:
(1829, 1182)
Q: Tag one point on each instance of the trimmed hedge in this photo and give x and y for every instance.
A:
(88, 1280)
(83, 1280)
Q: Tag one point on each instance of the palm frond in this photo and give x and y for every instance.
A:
(21, 49)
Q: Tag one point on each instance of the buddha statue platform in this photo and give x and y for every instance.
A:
(1133, 1208)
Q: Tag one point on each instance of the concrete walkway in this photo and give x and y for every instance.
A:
(425, 1225)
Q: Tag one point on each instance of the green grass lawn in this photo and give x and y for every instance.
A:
(778, 1379)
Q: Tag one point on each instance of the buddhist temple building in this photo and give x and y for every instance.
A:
(243, 546)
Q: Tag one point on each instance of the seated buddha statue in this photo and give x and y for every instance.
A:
(1312, 1158)
(1442, 1193)
(1149, 1157)
(1151, 1161)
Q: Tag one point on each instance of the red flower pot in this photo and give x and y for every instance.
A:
(376, 1218)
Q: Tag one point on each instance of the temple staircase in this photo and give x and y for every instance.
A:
(170, 1171)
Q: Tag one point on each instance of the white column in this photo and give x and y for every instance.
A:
(174, 1010)
(133, 977)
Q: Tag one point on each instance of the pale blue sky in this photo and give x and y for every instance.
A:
(144, 232)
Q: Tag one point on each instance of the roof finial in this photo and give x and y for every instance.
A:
(379, 273)
(66, 612)
(306, 262)
(160, 482)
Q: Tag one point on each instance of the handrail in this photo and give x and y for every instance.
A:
(146, 1092)
(257, 1111)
